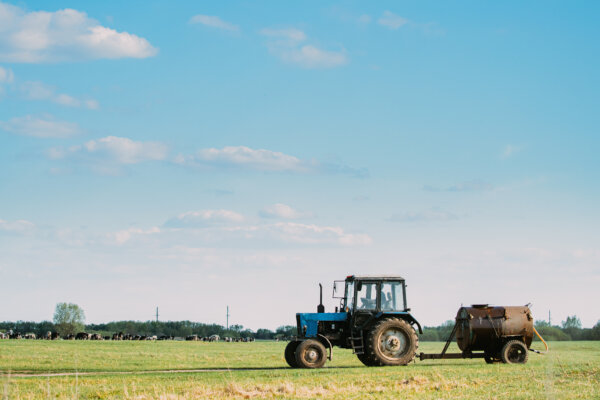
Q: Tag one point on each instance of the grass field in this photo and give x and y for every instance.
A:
(138, 370)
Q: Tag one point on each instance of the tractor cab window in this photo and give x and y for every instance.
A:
(366, 296)
(392, 296)
(349, 296)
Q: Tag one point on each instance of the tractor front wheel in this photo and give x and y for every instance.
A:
(290, 353)
(311, 354)
(392, 341)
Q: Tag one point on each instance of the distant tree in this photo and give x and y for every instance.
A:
(265, 334)
(69, 318)
(595, 332)
(286, 331)
(540, 323)
(429, 335)
(572, 322)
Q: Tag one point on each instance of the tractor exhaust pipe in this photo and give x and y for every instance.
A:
(320, 307)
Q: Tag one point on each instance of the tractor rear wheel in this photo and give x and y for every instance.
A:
(366, 360)
(290, 353)
(392, 341)
(311, 354)
(514, 352)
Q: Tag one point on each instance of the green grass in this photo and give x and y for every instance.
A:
(257, 370)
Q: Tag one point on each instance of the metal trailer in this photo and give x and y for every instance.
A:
(492, 333)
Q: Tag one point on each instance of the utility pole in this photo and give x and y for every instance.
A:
(156, 314)
(227, 317)
(549, 319)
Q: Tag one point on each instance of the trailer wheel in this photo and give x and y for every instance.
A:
(290, 353)
(490, 359)
(311, 354)
(514, 352)
(392, 341)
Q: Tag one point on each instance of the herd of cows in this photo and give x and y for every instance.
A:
(117, 336)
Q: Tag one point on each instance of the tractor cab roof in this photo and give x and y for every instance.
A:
(374, 278)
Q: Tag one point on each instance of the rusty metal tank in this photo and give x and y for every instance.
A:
(482, 327)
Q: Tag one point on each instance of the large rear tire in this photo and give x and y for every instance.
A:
(514, 352)
(290, 353)
(311, 354)
(391, 341)
(366, 360)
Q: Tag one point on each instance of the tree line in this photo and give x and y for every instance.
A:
(69, 319)
(568, 330)
(150, 328)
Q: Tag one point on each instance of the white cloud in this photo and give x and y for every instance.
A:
(262, 160)
(45, 126)
(6, 75)
(242, 156)
(123, 236)
(41, 36)
(41, 91)
(18, 226)
(312, 57)
(214, 22)
(433, 214)
(391, 20)
(287, 44)
(198, 219)
(114, 149)
(283, 211)
(315, 234)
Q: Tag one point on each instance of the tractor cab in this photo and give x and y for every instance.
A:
(373, 320)
(372, 294)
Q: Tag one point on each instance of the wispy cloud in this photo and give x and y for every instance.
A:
(198, 219)
(41, 91)
(64, 35)
(214, 22)
(228, 226)
(243, 157)
(45, 126)
(468, 186)
(283, 211)
(6, 75)
(112, 149)
(246, 157)
(289, 45)
(291, 34)
(18, 226)
(315, 234)
(364, 19)
(125, 235)
(509, 150)
(434, 214)
(392, 21)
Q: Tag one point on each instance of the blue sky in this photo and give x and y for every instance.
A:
(205, 154)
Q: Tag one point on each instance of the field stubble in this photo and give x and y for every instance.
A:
(145, 370)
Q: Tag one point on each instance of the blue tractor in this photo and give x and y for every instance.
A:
(373, 320)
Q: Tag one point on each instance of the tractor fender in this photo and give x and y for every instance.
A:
(402, 315)
(327, 344)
